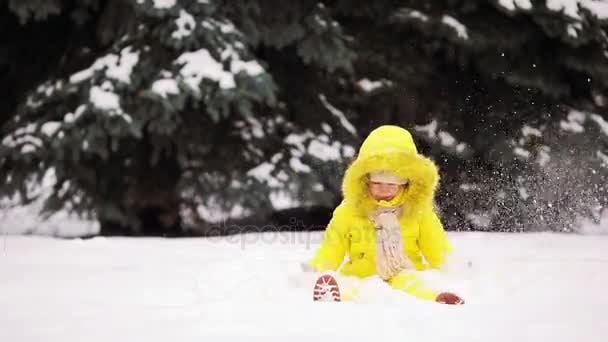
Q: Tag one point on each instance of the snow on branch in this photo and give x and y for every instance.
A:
(105, 99)
(513, 5)
(117, 67)
(185, 25)
(460, 29)
(338, 114)
(572, 8)
(199, 65)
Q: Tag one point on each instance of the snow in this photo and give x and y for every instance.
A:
(27, 149)
(251, 68)
(599, 99)
(26, 219)
(72, 117)
(521, 152)
(255, 128)
(348, 151)
(208, 25)
(338, 114)
(48, 88)
(23, 135)
(571, 7)
(461, 147)
(543, 156)
(263, 173)
(50, 128)
(573, 29)
(523, 193)
(468, 187)
(418, 15)
(283, 200)
(460, 29)
(431, 132)
(369, 86)
(276, 157)
(598, 8)
(165, 87)
(576, 119)
(297, 139)
(282, 176)
(527, 130)
(518, 287)
(29, 129)
(446, 139)
(200, 64)
(512, 5)
(164, 4)
(575, 122)
(297, 165)
(320, 21)
(479, 220)
(107, 101)
(185, 25)
(116, 67)
(227, 26)
(214, 212)
(576, 115)
(430, 129)
(603, 157)
(324, 151)
(603, 124)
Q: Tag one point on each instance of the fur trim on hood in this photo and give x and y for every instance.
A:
(391, 149)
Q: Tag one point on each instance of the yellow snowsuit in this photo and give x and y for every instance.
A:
(387, 148)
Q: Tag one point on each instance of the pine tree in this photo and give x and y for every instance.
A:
(176, 112)
(491, 86)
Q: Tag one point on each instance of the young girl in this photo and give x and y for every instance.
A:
(386, 222)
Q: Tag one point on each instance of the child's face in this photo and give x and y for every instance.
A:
(383, 191)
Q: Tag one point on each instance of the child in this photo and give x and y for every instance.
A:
(386, 221)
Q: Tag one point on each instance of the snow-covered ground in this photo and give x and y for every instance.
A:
(518, 287)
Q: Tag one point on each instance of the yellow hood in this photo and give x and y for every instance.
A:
(391, 148)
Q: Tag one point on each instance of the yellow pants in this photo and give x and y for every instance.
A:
(406, 281)
(410, 283)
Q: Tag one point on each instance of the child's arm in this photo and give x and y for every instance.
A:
(433, 241)
(334, 245)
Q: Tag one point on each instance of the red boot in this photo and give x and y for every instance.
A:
(326, 289)
(449, 298)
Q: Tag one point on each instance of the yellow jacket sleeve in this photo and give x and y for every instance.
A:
(330, 254)
(433, 241)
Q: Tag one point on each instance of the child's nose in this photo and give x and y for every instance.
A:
(386, 187)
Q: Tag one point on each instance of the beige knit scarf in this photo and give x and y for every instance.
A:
(390, 257)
